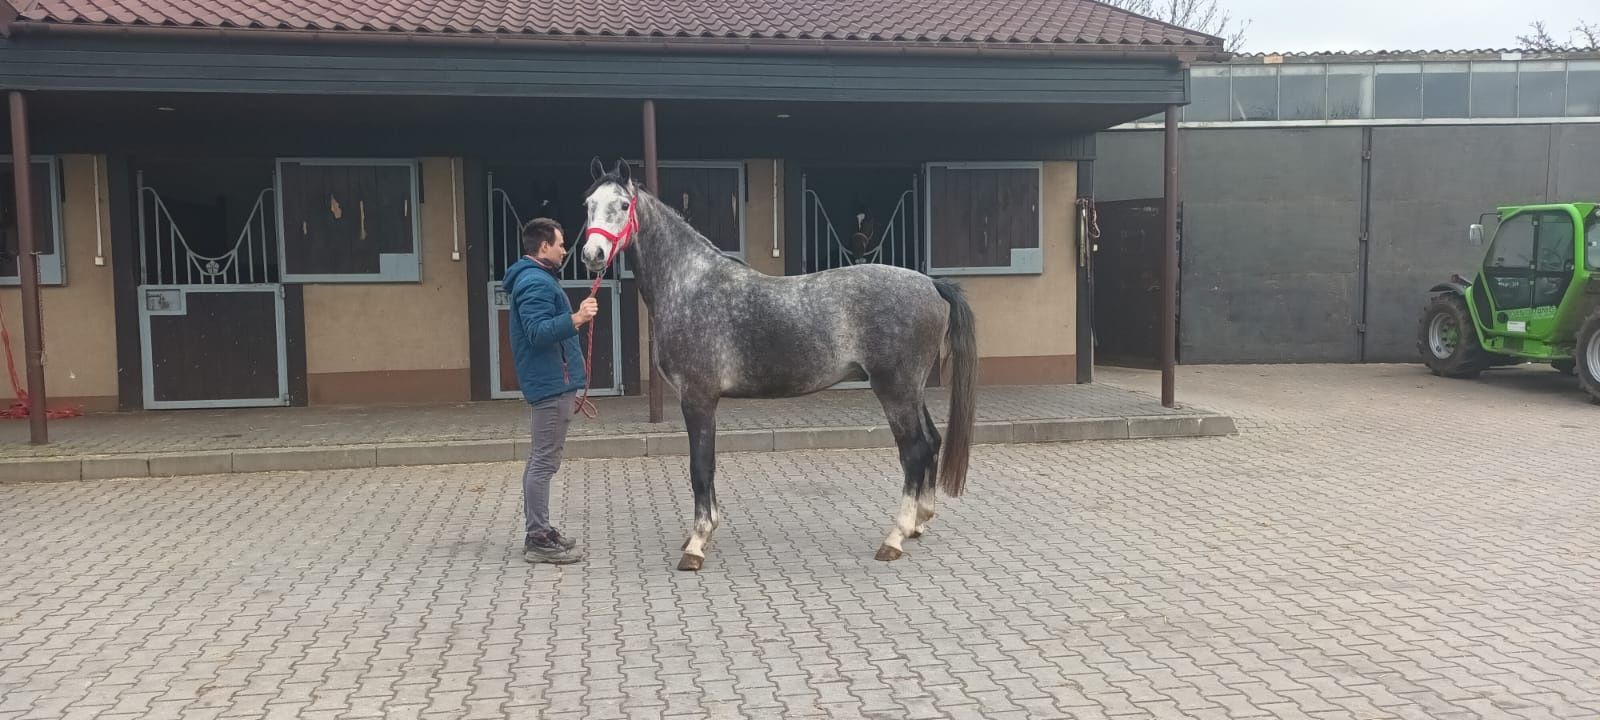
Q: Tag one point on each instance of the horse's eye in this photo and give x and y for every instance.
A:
(624, 204)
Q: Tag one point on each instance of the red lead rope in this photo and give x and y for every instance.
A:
(22, 406)
(620, 241)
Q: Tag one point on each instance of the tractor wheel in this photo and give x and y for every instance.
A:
(1588, 353)
(1448, 340)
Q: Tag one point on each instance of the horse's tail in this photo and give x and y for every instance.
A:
(963, 339)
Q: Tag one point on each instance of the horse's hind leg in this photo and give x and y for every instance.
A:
(926, 491)
(700, 416)
(916, 456)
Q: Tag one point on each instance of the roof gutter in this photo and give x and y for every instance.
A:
(647, 44)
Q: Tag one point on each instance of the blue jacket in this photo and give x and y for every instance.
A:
(544, 344)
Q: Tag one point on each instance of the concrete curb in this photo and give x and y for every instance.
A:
(107, 467)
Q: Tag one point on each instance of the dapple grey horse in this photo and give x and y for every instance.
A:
(723, 329)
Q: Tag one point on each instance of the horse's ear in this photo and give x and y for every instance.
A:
(597, 169)
(624, 170)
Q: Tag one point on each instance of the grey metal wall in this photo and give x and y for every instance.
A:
(1254, 252)
(1428, 184)
(1577, 174)
(1272, 225)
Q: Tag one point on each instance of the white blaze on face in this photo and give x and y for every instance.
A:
(607, 207)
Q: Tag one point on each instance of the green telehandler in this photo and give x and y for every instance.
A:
(1535, 298)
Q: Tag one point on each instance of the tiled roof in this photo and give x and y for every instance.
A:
(1006, 23)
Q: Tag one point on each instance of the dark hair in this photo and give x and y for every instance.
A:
(536, 233)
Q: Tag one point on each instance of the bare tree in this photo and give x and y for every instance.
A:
(1207, 16)
(1586, 36)
(1539, 39)
(1590, 32)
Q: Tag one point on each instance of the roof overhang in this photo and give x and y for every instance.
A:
(645, 44)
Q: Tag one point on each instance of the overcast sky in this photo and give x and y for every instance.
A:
(1305, 25)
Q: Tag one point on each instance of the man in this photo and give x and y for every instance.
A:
(544, 343)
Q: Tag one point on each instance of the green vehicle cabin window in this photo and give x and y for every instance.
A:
(1510, 264)
(1591, 241)
(1556, 233)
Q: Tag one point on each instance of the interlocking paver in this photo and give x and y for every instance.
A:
(1342, 558)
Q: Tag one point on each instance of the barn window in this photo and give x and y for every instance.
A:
(984, 218)
(710, 196)
(46, 187)
(348, 220)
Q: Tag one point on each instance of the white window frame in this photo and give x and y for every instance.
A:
(392, 267)
(52, 266)
(1024, 261)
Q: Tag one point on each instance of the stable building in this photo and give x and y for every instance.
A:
(293, 203)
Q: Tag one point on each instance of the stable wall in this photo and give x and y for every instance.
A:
(80, 333)
(398, 342)
(1027, 324)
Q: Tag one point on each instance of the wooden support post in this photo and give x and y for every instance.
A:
(28, 268)
(651, 177)
(1169, 265)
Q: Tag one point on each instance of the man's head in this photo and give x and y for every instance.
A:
(542, 239)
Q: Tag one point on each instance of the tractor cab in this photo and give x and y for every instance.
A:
(1535, 297)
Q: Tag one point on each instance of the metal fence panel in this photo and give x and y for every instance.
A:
(1428, 184)
(1271, 220)
(1577, 163)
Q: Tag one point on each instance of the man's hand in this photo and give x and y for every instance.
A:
(586, 312)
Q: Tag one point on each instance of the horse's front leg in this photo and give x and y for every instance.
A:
(700, 416)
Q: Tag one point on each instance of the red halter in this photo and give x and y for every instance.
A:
(619, 242)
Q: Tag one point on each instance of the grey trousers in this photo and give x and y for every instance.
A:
(550, 420)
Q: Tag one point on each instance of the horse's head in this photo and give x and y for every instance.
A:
(865, 234)
(611, 222)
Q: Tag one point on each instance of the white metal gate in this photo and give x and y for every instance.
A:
(895, 242)
(211, 327)
(505, 248)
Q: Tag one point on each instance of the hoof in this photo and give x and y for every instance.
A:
(888, 554)
(691, 563)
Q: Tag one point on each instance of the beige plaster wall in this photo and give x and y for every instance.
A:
(371, 342)
(80, 332)
(761, 210)
(1027, 324)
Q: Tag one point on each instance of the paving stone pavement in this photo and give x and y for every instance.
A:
(191, 430)
(1362, 550)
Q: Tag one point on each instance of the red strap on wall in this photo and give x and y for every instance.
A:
(21, 408)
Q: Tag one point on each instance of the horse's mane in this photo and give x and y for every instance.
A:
(640, 191)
